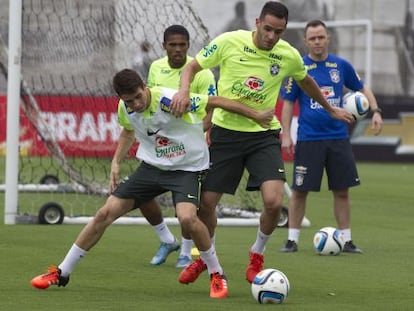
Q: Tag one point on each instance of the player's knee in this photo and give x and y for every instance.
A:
(187, 221)
(206, 212)
(273, 207)
(102, 216)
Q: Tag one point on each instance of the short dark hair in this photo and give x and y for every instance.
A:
(127, 81)
(314, 23)
(276, 9)
(176, 30)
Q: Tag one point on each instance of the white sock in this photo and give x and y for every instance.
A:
(293, 234)
(213, 240)
(261, 240)
(186, 246)
(71, 260)
(164, 233)
(346, 234)
(210, 259)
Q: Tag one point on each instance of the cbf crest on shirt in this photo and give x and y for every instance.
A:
(165, 141)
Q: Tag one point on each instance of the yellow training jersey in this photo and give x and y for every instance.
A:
(249, 75)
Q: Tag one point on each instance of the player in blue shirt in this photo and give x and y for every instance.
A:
(322, 142)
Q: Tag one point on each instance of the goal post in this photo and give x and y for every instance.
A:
(13, 100)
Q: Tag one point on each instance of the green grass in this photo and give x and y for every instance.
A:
(116, 275)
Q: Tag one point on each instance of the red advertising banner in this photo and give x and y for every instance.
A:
(82, 126)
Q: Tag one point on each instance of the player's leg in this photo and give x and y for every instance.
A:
(207, 214)
(342, 174)
(184, 259)
(272, 194)
(186, 210)
(223, 177)
(87, 238)
(342, 208)
(187, 216)
(168, 243)
(207, 211)
(267, 174)
(308, 168)
(113, 208)
(297, 207)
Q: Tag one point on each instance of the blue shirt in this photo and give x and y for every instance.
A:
(332, 75)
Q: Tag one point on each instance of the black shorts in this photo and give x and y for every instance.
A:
(147, 182)
(312, 157)
(232, 151)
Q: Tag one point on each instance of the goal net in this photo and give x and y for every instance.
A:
(68, 120)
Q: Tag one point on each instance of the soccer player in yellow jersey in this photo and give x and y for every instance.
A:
(173, 153)
(166, 72)
(253, 65)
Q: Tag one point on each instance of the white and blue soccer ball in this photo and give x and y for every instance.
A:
(270, 286)
(328, 241)
(356, 104)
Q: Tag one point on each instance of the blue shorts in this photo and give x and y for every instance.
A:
(231, 152)
(313, 157)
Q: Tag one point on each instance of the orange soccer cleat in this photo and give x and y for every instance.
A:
(191, 273)
(255, 266)
(218, 286)
(52, 277)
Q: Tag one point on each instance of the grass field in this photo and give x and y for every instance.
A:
(116, 275)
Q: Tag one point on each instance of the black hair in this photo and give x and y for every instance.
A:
(276, 9)
(176, 30)
(127, 81)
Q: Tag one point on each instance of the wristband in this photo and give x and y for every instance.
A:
(379, 110)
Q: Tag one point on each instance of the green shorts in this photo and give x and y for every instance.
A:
(147, 182)
(231, 152)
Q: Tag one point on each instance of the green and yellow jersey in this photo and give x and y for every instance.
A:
(161, 74)
(168, 142)
(249, 75)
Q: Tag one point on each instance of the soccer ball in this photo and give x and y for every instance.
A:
(328, 241)
(270, 286)
(357, 104)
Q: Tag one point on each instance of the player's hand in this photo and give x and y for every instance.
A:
(114, 177)
(342, 114)
(287, 144)
(180, 103)
(376, 123)
(264, 117)
(207, 136)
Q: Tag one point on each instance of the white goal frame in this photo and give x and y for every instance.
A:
(365, 23)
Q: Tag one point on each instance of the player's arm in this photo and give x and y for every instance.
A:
(205, 83)
(311, 88)
(376, 121)
(262, 117)
(286, 119)
(207, 119)
(126, 139)
(181, 99)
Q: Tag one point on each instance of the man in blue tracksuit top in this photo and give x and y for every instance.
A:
(322, 142)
